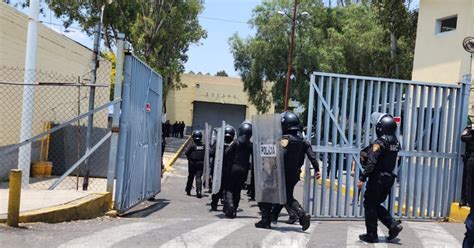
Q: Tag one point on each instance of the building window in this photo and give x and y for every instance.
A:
(446, 24)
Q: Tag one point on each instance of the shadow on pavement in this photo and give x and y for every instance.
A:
(147, 209)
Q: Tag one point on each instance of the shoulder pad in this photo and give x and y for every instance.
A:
(284, 142)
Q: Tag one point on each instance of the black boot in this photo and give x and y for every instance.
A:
(198, 194)
(369, 238)
(303, 217)
(188, 192)
(213, 207)
(395, 230)
(265, 222)
(292, 219)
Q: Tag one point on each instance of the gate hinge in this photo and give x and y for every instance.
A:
(115, 129)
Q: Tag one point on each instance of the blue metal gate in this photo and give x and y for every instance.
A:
(429, 168)
(139, 148)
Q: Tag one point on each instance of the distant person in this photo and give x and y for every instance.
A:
(183, 126)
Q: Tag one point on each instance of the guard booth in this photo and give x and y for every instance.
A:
(429, 170)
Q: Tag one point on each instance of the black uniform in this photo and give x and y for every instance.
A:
(468, 185)
(238, 162)
(195, 155)
(294, 150)
(381, 161)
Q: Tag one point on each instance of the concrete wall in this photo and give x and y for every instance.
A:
(59, 59)
(440, 57)
(212, 89)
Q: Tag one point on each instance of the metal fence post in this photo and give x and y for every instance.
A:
(116, 114)
(14, 196)
(122, 139)
(466, 90)
(309, 123)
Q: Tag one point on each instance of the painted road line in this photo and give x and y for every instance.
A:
(433, 235)
(110, 236)
(278, 238)
(205, 236)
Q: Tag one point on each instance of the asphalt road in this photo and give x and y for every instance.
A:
(174, 219)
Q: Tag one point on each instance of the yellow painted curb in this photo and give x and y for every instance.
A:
(458, 214)
(88, 207)
(168, 167)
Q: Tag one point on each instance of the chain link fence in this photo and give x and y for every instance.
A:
(54, 99)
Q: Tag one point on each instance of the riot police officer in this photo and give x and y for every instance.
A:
(229, 135)
(195, 155)
(378, 167)
(238, 156)
(294, 150)
(468, 185)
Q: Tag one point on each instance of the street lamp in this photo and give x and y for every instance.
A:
(468, 45)
(293, 19)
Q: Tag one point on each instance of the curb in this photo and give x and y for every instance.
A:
(458, 214)
(168, 167)
(87, 207)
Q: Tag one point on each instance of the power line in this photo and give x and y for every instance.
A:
(223, 20)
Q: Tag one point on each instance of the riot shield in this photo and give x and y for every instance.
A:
(218, 160)
(268, 159)
(207, 146)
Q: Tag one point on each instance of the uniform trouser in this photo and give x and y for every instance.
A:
(291, 202)
(467, 193)
(194, 171)
(378, 188)
(234, 187)
(469, 235)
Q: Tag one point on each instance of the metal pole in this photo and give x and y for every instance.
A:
(116, 114)
(14, 195)
(24, 154)
(290, 53)
(90, 119)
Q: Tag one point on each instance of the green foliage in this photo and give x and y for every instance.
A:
(160, 31)
(349, 40)
(222, 74)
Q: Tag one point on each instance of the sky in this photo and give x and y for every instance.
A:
(220, 18)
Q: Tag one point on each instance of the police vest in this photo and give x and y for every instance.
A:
(197, 154)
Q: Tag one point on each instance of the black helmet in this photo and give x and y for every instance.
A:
(386, 125)
(197, 136)
(289, 122)
(245, 132)
(245, 129)
(229, 133)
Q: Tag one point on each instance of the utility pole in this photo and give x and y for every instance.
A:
(290, 53)
(90, 119)
(24, 153)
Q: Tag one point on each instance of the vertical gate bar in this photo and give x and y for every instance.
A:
(318, 143)
(405, 147)
(426, 177)
(384, 97)
(359, 137)
(435, 161)
(375, 107)
(395, 112)
(447, 161)
(325, 143)
(410, 169)
(391, 100)
(441, 149)
(125, 109)
(454, 141)
(463, 119)
(341, 204)
(335, 106)
(309, 122)
(368, 112)
(419, 147)
(351, 144)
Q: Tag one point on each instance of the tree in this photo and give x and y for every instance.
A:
(159, 30)
(221, 74)
(349, 40)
